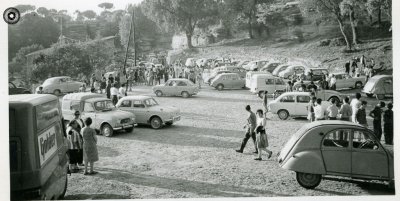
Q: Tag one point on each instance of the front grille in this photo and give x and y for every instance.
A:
(124, 121)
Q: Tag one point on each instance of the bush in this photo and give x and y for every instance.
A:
(338, 42)
(325, 42)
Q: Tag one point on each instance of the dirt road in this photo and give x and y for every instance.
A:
(195, 157)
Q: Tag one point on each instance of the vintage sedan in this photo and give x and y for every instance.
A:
(345, 81)
(255, 65)
(292, 104)
(228, 81)
(270, 67)
(106, 118)
(292, 70)
(12, 89)
(60, 85)
(337, 148)
(176, 87)
(380, 86)
(279, 69)
(148, 111)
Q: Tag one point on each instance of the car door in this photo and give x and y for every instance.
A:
(269, 85)
(181, 86)
(89, 111)
(341, 81)
(336, 152)
(126, 105)
(288, 103)
(140, 111)
(301, 105)
(369, 159)
(237, 83)
(168, 87)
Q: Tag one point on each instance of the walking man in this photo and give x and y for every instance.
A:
(250, 126)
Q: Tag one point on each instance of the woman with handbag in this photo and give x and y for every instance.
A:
(261, 135)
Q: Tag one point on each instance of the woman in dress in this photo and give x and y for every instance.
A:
(90, 154)
(261, 136)
(74, 145)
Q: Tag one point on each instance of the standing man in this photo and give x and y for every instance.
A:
(355, 105)
(319, 111)
(332, 110)
(345, 110)
(347, 67)
(265, 101)
(376, 113)
(310, 108)
(333, 83)
(388, 124)
(361, 114)
(251, 125)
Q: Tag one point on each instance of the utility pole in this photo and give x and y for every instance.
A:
(127, 46)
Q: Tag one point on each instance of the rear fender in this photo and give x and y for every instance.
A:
(306, 161)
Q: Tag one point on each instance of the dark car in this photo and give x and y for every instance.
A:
(12, 89)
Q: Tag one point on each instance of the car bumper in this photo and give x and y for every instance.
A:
(174, 119)
(125, 126)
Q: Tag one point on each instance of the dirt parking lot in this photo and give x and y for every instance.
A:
(196, 157)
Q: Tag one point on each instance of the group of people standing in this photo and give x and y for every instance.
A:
(82, 146)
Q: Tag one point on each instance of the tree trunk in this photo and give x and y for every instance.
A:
(250, 25)
(189, 39)
(380, 17)
(353, 28)
(348, 44)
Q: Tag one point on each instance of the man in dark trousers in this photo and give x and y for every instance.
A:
(347, 67)
(251, 125)
(376, 113)
(388, 124)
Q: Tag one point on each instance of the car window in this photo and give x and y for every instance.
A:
(303, 99)
(150, 102)
(182, 83)
(269, 81)
(287, 99)
(88, 107)
(337, 138)
(126, 103)
(75, 105)
(138, 104)
(364, 140)
(279, 82)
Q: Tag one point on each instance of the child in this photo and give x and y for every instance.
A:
(74, 145)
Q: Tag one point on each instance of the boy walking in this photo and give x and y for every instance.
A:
(251, 126)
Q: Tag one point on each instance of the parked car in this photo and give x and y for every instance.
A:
(148, 111)
(337, 148)
(228, 81)
(37, 148)
(242, 63)
(255, 65)
(106, 118)
(292, 70)
(266, 82)
(250, 75)
(279, 69)
(270, 67)
(176, 87)
(344, 80)
(318, 74)
(215, 73)
(380, 86)
(233, 69)
(12, 89)
(292, 104)
(60, 85)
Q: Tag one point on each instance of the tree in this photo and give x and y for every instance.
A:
(89, 14)
(106, 6)
(19, 61)
(43, 11)
(328, 8)
(348, 8)
(180, 15)
(25, 8)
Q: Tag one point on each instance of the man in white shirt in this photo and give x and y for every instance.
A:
(319, 111)
(332, 83)
(355, 105)
(121, 91)
(114, 94)
(332, 110)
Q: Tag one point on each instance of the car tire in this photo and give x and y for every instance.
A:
(370, 95)
(380, 96)
(156, 122)
(159, 93)
(129, 130)
(358, 85)
(220, 87)
(57, 92)
(185, 94)
(283, 114)
(107, 130)
(307, 180)
(61, 197)
(337, 100)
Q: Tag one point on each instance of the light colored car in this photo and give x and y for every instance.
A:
(345, 81)
(60, 85)
(241, 71)
(266, 82)
(250, 75)
(318, 74)
(292, 70)
(228, 81)
(105, 116)
(255, 65)
(176, 87)
(270, 67)
(242, 63)
(279, 69)
(380, 86)
(214, 74)
(337, 148)
(148, 111)
(292, 104)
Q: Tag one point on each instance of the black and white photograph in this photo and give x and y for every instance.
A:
(199, 99)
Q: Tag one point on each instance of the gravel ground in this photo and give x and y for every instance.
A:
(195, 157)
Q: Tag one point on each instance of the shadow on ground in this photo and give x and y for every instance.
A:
(373, 187)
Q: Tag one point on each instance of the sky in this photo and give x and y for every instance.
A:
(72, 5)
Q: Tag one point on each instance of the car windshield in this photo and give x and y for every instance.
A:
(49, 81)
(105, 105)
(150, 102)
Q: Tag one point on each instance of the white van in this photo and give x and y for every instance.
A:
(250, 74)
(266, 82)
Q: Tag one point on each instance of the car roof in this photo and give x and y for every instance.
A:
(33, 99)
(140, 97)
(178, 79)
(296, 93)
(381, 76)
(265, 75)
(95, 99)
(58, 77)
(333, 122)
(227, 74)
(81, 96)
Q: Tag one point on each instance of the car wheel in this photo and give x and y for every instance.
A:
(380, 96)
(159, 93)
(156, 122)
(283, 114)
(220, 87)
(169, 123)
(260, 94)
(57, 92)
(337, 100)
(358, 85)
(185, 94)
(309, 181)
(129, 130)
(370, 95)
(61, 197)
(107, 130)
